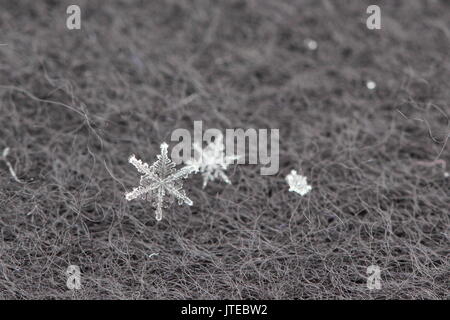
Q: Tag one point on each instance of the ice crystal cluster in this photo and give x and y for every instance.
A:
(298, 183)
(161, 183)
(211, 161)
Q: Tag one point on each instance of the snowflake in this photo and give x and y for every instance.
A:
(160, 180)
(212, 161)
(297, 183)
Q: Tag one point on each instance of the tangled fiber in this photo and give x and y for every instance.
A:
(74, 104)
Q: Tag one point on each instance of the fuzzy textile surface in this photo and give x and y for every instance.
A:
(75, 104)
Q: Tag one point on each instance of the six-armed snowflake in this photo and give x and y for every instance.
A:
(212, 161)
(161, 183)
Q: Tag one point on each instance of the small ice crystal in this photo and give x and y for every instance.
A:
(311, 44)
(298, 183)
(371, 85)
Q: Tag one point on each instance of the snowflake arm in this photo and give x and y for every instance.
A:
(180, 195)
(140, 191)
(142, 167)
(160, 203)
(139, 165)
(224, 177)
(180, 174)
